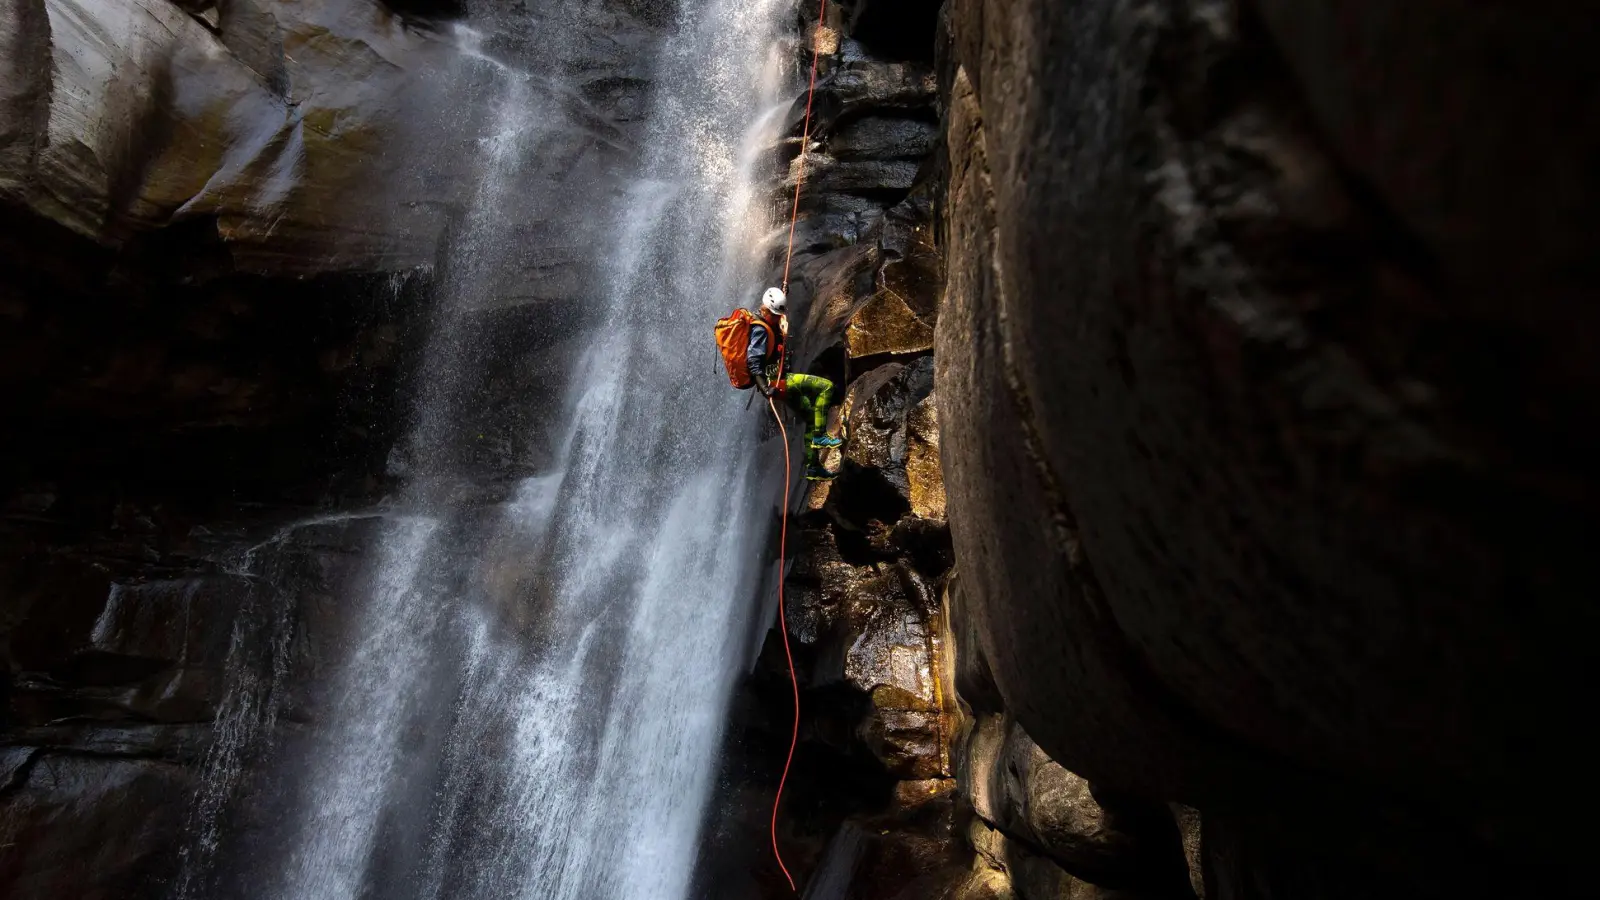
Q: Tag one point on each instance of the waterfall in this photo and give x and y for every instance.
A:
(529, 697)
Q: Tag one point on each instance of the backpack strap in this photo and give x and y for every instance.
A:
(776, 341)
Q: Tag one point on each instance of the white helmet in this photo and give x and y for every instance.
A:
(774, 302)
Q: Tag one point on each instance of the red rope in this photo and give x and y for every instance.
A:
(805, 142)
(783, 534)
(783, 629)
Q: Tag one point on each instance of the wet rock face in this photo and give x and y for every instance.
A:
(882, 138)
(219, 229)
(306, 137)
(220, 223)
(1115, 841)
(130, 628)
(879, 534)
(146, 111)
(889, 423)
(60, 807)
(865, 260)
(115, 369)
(1479, 160)
(1264, 494)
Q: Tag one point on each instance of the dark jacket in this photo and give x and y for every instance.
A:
(762, 359)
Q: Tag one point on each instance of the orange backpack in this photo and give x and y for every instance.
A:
(733, 339)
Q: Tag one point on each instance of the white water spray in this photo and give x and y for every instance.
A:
(532, 701)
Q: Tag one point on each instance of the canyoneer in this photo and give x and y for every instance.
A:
(754, 347)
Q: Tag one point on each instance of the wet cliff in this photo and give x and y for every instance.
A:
(912, 779)
(1264, 446)
(222, 236)
(1264, 430)
(1259, 383)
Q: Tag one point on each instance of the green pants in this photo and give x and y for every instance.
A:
(813, 396)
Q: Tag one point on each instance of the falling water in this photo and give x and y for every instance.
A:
(257, 675)
(532, 696)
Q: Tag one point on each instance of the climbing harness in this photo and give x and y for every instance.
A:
(783, 533)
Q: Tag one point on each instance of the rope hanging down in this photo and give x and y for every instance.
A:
(783, 629)
(783, 534)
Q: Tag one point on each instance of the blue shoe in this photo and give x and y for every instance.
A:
(826, 442)
(818, 473)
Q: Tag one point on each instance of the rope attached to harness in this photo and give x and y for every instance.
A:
(783, 534)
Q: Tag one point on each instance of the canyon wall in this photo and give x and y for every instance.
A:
(912, 778)
(222, 235)
(1260, 382)
(1263, 390)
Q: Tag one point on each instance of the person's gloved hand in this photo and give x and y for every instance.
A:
(764, 386)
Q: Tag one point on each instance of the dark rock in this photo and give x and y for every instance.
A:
(24, 83)
(871, 631)
(913, 264)
(820, 583)
(924, 537)
(880, 408)
(14, 765)
(1483, 149)
(866, 269)
(428, 9)
(861, 87)
(887, 637)
(901, 855)
(897, 29)
(114, 363)
(181, 743)
(1015, 870)
(135, 643)
(838, 281)
(906, 741)
(835, 221)
(1188, 821)
(1253, 859)
(889, 180)
(979, 764)
(979, 883)
(1265, 498)
(892, 468)
(883, 138)
(865, 261)
(872, 86)
(283, 127)
(1111, 840)
(251, 32)
(974, 682)
(887, 324)
(947, 882)
(60, 812)
(1068, 822)
(924, 473)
